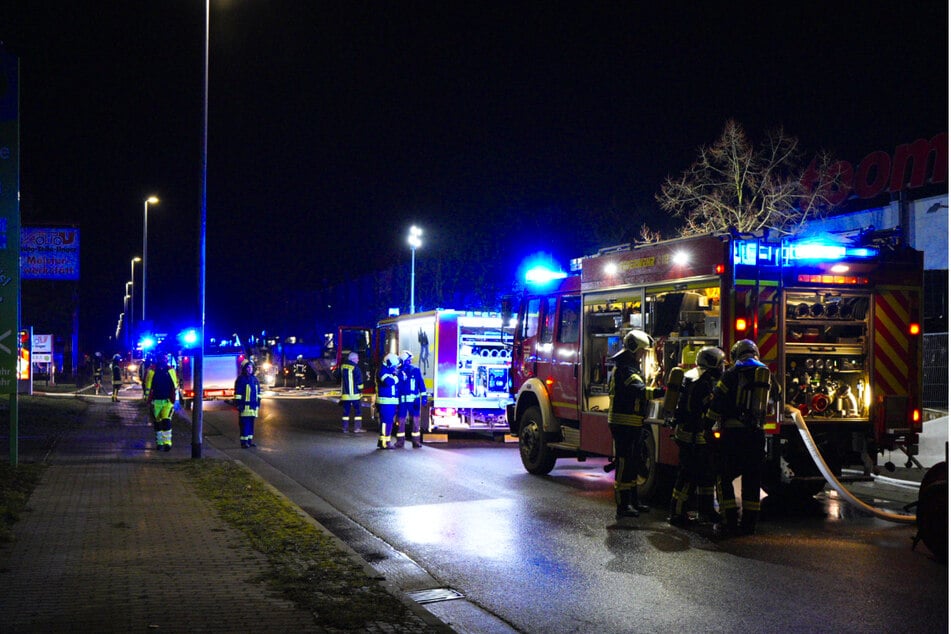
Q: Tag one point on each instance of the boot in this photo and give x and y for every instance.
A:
(640, 506)
(624, 507)
(728, 527)
(400, 442)
(748, 522)
(675, 518)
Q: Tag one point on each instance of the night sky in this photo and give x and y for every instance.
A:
(335, 126)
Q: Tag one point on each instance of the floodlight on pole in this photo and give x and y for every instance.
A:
(145, 247)
(415, 241)
(132, 295)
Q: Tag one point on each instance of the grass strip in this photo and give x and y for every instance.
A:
(307, 566)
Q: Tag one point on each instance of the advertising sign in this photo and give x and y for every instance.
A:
(9, 222)
(42, 343)
(49, 253)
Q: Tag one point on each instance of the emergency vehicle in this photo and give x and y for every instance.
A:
(837, 321)
(219, 372)
(465, 359)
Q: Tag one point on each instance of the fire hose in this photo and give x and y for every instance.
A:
(834, 482)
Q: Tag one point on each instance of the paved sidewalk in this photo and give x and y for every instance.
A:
(115, 541)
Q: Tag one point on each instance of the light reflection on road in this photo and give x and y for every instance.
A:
(480, 529)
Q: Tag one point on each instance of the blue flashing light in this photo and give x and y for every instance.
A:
(543, 275)
(828, 252)
(147, 342)
(190, 337)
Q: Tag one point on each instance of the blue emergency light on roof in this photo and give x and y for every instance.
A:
(828, 252)
(147, 343)
(190, 337)
(543, 275)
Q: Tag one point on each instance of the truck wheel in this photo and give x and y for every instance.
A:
(932, 512)
(537, 457)
(651, 487)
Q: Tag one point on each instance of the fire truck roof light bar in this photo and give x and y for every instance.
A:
(828, 252)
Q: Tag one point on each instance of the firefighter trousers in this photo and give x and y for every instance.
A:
(741, 454)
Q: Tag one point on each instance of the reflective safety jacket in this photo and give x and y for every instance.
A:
(161, 384)
(412, 386)
(628, 391)
(247, 395)
(351, 381)
(388, 387)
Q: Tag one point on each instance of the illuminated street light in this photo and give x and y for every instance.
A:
(145, 247)
(132, 300)
(415, 241)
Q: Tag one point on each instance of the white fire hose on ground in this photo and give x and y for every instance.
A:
(834, 482)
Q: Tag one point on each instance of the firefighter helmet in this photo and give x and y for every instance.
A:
(391, 360)
(637, 340)
(245, 364)
(406, 356)
(742, 349)
(710, 357)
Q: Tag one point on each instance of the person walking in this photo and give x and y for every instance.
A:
(116, 376)
(247, 398)
(161, 385)
(97, 369)
(738, 410)
(388, 398)
(412, 391)
(351, 391)
(629, 398)
(691, 431)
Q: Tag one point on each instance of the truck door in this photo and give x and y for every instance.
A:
(565, 358)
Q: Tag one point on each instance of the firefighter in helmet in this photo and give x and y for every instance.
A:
(738, 409)
(351, 391)
(691, 433)
(412, 399)
(97, 368)
(629, 399)
(247, 398)
(300, 371)
(161, 384)
(388, 397)
(116, 376)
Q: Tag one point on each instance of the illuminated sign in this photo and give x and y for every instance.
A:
(49, 253)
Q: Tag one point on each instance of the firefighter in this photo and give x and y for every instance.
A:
(161, 385)
(300, 371)
(412, 392)
(388, 398)
(97, 367)
(691, 433)
(247, 397)
(738, 411)
(351, 390)
(116, 376)
(629, 398)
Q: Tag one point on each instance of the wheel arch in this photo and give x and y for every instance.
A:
(534, 394)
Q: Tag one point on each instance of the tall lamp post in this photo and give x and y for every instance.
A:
(132, 292)
(415, 241)
(145, 246)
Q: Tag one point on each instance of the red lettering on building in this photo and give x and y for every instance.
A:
(878, 172)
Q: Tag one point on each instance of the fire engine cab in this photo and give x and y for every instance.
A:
(836, 319)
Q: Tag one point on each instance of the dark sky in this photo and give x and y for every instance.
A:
(335, 126)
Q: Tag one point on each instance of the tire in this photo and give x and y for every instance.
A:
(654, 484)
(537, 457)
(932, 512)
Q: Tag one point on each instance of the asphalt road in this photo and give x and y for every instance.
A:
(545, 554)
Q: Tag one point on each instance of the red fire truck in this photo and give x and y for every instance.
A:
(836, 319)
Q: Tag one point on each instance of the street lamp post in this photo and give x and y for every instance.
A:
(415, 241)
(145, 247)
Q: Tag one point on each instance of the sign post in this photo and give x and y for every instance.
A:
(10, 240)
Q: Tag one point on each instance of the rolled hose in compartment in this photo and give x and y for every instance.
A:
(833, 481)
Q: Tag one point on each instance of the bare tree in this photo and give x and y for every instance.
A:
(733, 185)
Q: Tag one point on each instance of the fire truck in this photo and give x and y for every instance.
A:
(836, 318)
(465, 359)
